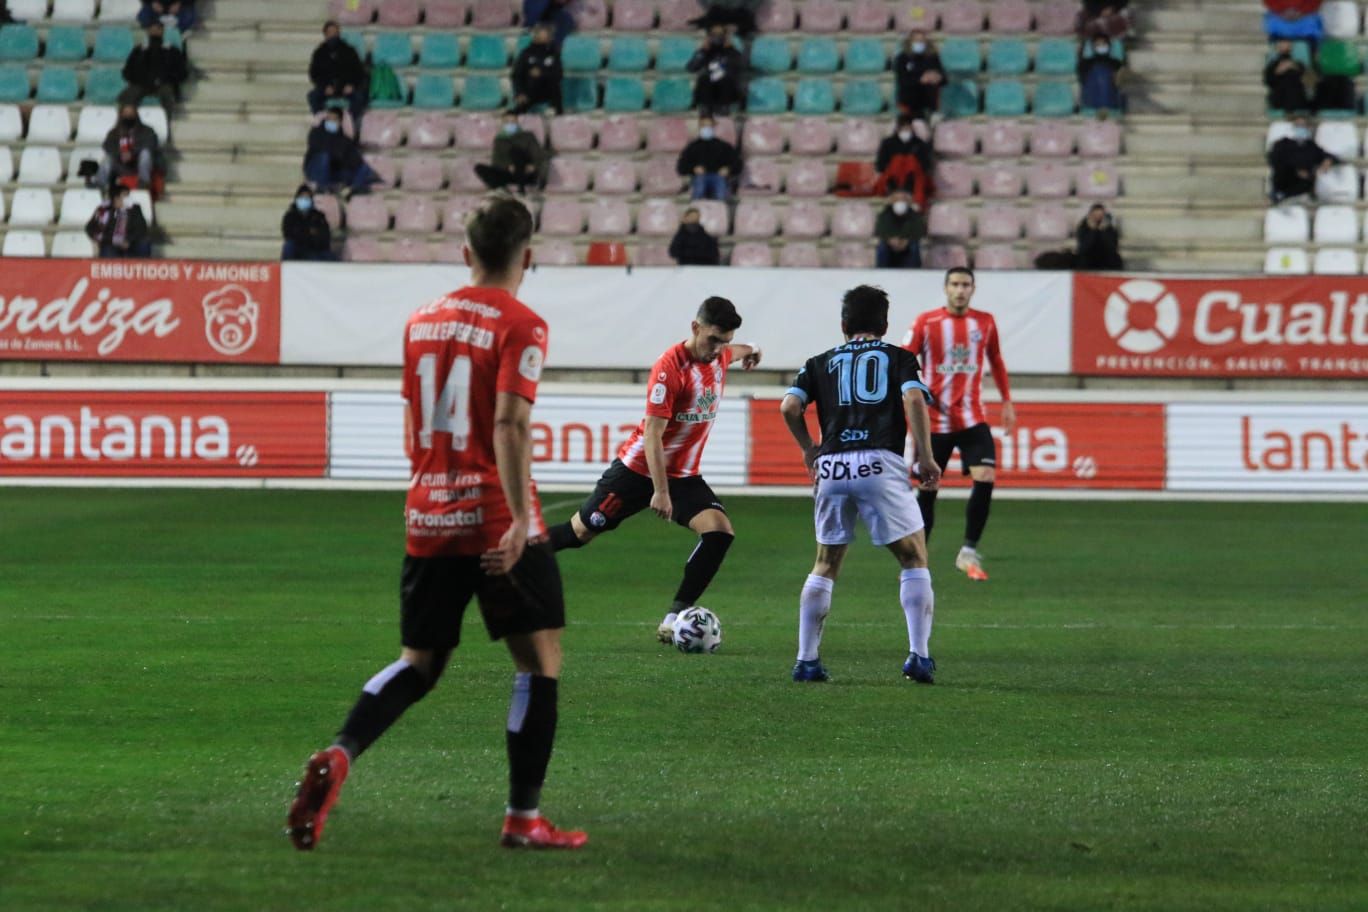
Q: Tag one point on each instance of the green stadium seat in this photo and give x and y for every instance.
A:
(524, 40)
(14, 83)
(579, 93)
(1053, 99)
(174, 38)
(113, 44)
(672, 96)
(818, 55)
(814, 96)
(624, 95)
(1004, 98)
(66, 43)
(1008, 57)
(1056, 57)
(18, 42)
(862, 96)
(673, 53)
(581, 54)
(393, 48)
(440, 51)
(487, 52)
(865, 55)
(767, 96)
(357, 40)
(58, 85)
(961, 56)
(1339, 58)
(103, 85)
(434, 92)
(771, 55)
(959, 99)
(629, 54)
(480, 93)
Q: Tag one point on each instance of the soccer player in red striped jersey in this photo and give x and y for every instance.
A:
(951, 344)
(658, 466)
(472, 361)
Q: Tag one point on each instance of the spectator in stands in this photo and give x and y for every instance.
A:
(1334, 91)
(518, 159)
(920, 76)
(537, 73)
(1295, 162)
(337, 73)
(333, 158)
(130, 150)
(708, 163)
(739, 14)
(1098, 70)
(719, 67)
(1285, 77)
(903, 162)
(692, 245)
(119, 227)
(899, 228)
(305, 229)
(1099, 247)
(182, 11)
(5, 17)
(1106, 18)
(154, 69)
(555, 13)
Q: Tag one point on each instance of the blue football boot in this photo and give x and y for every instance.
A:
(810, 670)
(919, 669)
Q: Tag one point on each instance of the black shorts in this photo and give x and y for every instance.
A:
(434, 593)
(621, 493)
(975, 444)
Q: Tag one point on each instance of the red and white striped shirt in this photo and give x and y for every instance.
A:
(951, 351)
(687, 392)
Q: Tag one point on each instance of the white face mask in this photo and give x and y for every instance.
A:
(905, 135)
(918, 47)
(706, 133)
(1101, 48)
(510, 128)
(900, 208)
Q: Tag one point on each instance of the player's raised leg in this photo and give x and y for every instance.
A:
(814, 604)
(918, 605)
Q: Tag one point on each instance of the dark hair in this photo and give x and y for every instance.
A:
(719, 312)
(117, 189)
(331, 23)
(498, 231)
(302, 189)
(864, 309)
(964, 269)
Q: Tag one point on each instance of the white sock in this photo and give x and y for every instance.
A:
(918, 604)
(813, 606)
(525, 815)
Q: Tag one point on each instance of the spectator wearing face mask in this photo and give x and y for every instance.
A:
(537, 74)
(1295, 161)
(553, 13)
(719, 67)
(1097, 76)
(517, 159)
(130, 150)
(337, 73)
(154, 69)
(1098, 245)
(899, 228)
(708, 163)
(1286, 80)
(920, 76)
(1107, 18)
(333, 158)
(119, 228)
(183, 11)
(692, 245)
(903, 162)
(305, 229)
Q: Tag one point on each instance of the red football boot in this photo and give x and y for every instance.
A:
(318, 791)
(538, 833)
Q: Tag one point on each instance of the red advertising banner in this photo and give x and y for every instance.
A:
(164, 434)
(140, 310)
(1305, 326)
(1056, 445)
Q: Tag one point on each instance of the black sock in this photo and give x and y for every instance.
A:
(563, 536)
(927, 501)
(976, 514)
(702, 565)
(531, 733)
(383, 701)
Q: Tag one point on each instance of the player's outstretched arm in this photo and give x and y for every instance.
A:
(791, 409)
(747, 353)
(919, 420)
(513, 456)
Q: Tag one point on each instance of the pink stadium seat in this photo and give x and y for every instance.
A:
(367, 215)
(774, 16)
(1056, 17)
(752, 254)
(761, 177)
(713, 215)
(765, 136)
(410, 250)
(946, 256)
(428, 130)
(562, 216)
(667, 134)
(1049, 180)
(1001, 139)
(572, 133)
(331, 207)
(658, 177)
(811, 136)
(805, 219)
(363, 250)
(1000, 180)
(1100, 139)
(454, 213)
(954, 180)
(490, 14)
(474, 131)
(617, 133)
(399, 13)
(859, 137)
(854, 256)
(756, 219)
(385, 167)
(615, 175)
(923, 15)
(633, 15)
(461, 173)
(554, 252)
(800, 255)
(1009, 16)
(590, 15)
(1097, 180)
(726, 129)
(653, 255)
(955, 138)
(447, 14)
(610, 217)
(999, 223)
(962, 17)
(449, 251)
(567, 175)
(996, 256)
(675, 15)
(1048, 222)
(821, 16)
(422, 173)
(382, 130)
(807, 177)
(948, 220)
(416, 214)
(852, 219)
(870, 16)
(1052, 140)
(536, 125)
(351, 12)
(658, 218)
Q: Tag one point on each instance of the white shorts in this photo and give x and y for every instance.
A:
(872, 484)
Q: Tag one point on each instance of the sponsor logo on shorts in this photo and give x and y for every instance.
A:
(597, 520)
(840, 470)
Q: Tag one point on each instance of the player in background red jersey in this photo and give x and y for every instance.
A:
(658, 466)
(951, 344)
(472, 360)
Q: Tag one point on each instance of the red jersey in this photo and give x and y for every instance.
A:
(687, 392)
(951, 350)
(460, 351)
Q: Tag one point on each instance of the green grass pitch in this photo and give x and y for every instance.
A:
(1150, 706)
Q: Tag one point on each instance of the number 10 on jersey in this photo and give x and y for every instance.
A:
(862, 377)
(449, 412)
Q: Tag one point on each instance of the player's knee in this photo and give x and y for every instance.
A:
(985, 474)
(429, 664)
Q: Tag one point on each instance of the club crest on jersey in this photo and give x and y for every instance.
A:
(957, 361)
(976, 337)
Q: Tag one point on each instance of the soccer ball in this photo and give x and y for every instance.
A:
(697, 630)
